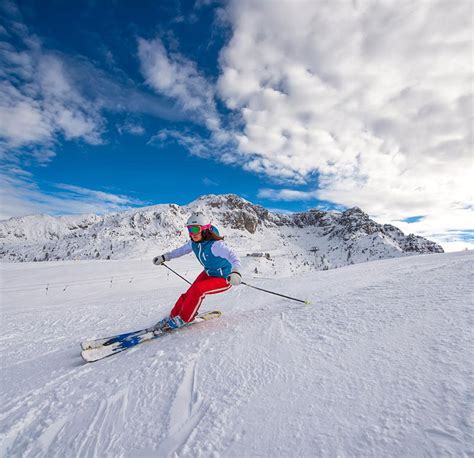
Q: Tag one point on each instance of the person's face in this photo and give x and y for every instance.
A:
(196, 237)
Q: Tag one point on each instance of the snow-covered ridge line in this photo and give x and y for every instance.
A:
(272, 243)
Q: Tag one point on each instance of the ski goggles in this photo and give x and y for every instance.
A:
(195, 230)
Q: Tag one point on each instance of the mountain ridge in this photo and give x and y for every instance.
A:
(310, 240)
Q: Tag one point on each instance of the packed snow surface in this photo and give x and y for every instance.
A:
(378, 365)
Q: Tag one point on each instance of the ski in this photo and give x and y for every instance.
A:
(116, 344)
(96, 343)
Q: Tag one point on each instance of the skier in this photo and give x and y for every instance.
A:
(221, 270)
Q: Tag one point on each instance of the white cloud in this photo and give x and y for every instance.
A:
(208, 182)
(23, 123)
(38, 101)
(197, 144)
(451, 227)
(20, 195)
(43, 156)
(456, 246)
(287, 195)
(98, 196)
(375, 96)
(46, 96)
(132, 128)
(177, 77)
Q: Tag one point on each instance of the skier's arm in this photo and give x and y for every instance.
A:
(178, 252)
(222, 250)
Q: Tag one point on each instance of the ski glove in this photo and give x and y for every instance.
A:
(234, 278)
(158, 260)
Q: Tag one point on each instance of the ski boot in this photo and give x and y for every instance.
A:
(169, 323)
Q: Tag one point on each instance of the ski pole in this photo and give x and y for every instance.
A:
(176, 273)
(276, 294)
(246, 284)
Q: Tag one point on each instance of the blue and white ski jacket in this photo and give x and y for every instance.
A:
(217, 258)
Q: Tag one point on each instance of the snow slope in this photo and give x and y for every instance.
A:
(379, 365)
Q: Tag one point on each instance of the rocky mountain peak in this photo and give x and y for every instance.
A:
(354, 220)
(236, 212)
(281, 243)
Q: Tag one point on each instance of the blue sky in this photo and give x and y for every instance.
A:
(97, 45)
(109, 105)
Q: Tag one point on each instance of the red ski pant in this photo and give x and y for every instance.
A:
(189, 302)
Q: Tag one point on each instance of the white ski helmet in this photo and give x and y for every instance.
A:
(198, 219)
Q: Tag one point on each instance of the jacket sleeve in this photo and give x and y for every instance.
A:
(222, 250)
(178, 252)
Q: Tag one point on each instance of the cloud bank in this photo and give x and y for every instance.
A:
(375, 96)
(38, 102)
(366, 103)
(369, 102)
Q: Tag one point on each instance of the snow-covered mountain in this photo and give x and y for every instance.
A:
(273, 243)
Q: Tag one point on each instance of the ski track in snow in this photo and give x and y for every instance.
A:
(379, 365)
